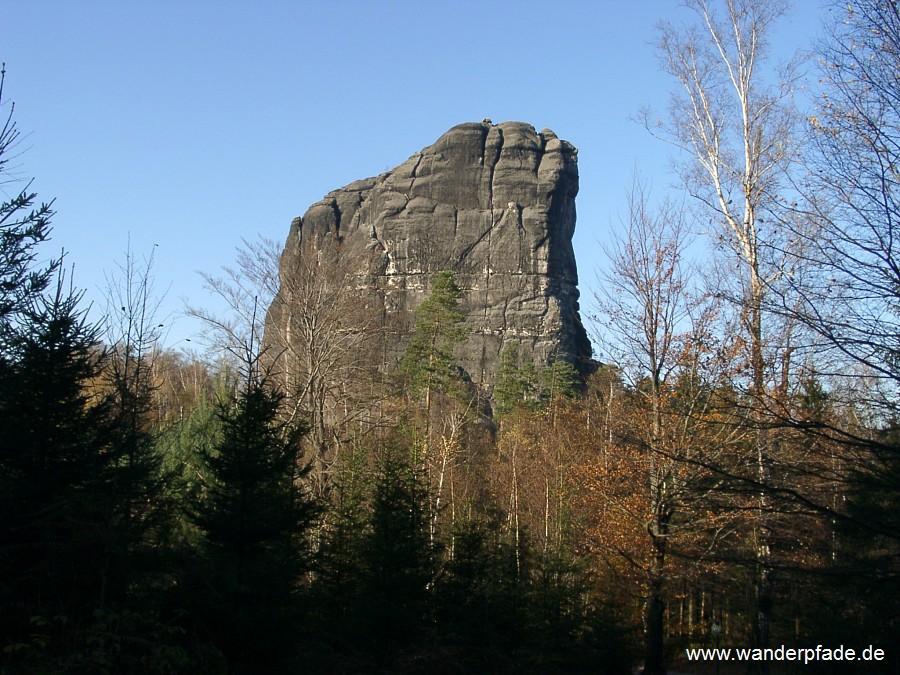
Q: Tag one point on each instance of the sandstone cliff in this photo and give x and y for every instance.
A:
(493, 203)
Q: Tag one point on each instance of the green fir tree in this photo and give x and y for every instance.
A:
(255, 521)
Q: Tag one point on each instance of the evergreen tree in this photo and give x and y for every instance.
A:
(559, 379)
(23, 227)
(140, 510)
(255, 521)
(530, 388)
(480, 597)
(183, 446)
(428, 361)
(399, 560)
(515, 386)
(340, 559)
(78, 549)
(75, 503)
(52, 501)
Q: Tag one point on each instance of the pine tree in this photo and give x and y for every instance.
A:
(481, 592)
(515, 386)
(428, 361)
(529, 388)
(183, 446)
(340, 559)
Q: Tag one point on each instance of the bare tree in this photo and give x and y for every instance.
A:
(644, 298)
(854, 192)
(736, 130)
(132, 331)
(850, 295)
(321, 334)
(316, 330)
(133, 328)
(247, 289)
(656, 327)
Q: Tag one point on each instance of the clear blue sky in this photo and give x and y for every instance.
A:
(193, 124)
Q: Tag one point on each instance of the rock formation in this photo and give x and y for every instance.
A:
(493, 203)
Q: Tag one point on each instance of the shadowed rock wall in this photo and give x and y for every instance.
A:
(493, 203)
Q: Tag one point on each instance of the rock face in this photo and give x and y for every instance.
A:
(493, 203)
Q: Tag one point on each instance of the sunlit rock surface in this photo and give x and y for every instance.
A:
(494, 203)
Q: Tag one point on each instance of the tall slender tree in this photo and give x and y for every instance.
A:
(400, 557)
(428, 364)
(737, 131)
(850, 297)
(139, 509)
(654, 322)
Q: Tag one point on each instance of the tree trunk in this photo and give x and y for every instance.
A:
(654, 652)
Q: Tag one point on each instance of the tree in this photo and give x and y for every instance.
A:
(181, 382)
(255, 519)
(132, 334)
(75, 496)
(428, 361)
(183, 446)
(515, 385)
(246, 290)
(430, 370)
(52, 468)
(79, 554)
(657, 325)
(321, 335)
(850, 296)
(400, 557)
(738, 133)
(526, 387)
(340, 559)
(539, 537)
(851, 301)
(316, 337)
(23, 228)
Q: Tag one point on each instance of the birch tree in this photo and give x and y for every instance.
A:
(735, 127)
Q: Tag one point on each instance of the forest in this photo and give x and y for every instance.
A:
(725, 474)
